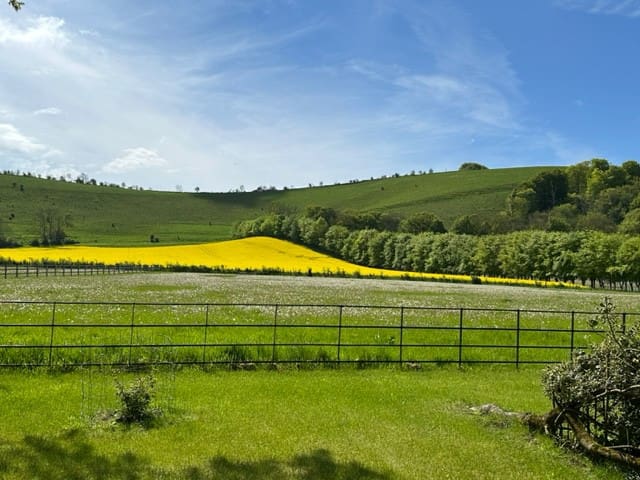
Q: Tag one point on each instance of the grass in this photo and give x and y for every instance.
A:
(119, 216)
(311, 424)
(347, 424)
(430, 316)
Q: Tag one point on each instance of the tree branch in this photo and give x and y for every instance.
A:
(16, 4)
(588, 443)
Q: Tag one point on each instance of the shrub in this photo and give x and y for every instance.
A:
(135, 399)
(598, 392)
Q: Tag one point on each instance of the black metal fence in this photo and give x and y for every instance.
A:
(15, 270)
(243, 335)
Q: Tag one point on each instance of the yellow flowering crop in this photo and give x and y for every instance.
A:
(254, 253)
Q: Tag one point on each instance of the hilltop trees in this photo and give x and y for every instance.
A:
(591, 195)
(542, 193)
(472, 166)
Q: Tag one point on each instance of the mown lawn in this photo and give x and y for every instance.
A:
(321, 424)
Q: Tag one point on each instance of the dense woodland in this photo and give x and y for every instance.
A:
(576, 224)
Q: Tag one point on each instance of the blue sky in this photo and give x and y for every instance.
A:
(223, 93)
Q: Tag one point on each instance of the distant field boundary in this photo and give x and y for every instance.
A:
(16, 270)
(75, 334)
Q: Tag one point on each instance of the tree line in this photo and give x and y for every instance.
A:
(597, 259)
(591, 195)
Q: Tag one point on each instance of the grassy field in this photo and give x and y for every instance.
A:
(219, 288)
(383, 423)
(347, 424)
(310, 326)
(119, 216)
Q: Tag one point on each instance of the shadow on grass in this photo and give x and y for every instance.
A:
(72, 457)
(318, 465)
(69, 457)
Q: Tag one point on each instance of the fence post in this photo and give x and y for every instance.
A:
(275, 332)
(133, 315)
(401, 331)
(573, 328)
(624, 323)
(518, 338)
(460, 338)
(206, 325)
(53, 323)
(339, 333)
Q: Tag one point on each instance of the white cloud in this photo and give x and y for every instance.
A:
(135, 159)
(43, 31)
(48, 111)
(13, 140)
(236, 107)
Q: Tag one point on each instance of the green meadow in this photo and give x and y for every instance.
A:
(323, 424)
(345, 423)
(104, 215)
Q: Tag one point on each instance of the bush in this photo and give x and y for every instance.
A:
(135, 399)
(598, 391)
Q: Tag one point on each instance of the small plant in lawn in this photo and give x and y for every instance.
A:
(135, 399)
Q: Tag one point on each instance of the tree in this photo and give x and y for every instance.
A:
(469, 225)
(577, 176)
(615, 202)
(52, 224)
(472, 166)
(551, 189)
(422, 222)
(632, 168)
(16, 4)
(631, 222)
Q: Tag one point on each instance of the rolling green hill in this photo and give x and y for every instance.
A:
(120, 216)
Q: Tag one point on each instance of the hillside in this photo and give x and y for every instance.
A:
(119, 216)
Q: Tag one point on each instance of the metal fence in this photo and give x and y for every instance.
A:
(15, 270)
(63, 334)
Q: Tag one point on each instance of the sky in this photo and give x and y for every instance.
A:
(222, 95)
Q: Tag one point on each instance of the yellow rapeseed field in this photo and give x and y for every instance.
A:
(254, 254)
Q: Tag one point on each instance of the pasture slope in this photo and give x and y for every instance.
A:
(122, 216)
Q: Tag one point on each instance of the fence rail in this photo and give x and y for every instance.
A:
(15, 270)
(66, 334)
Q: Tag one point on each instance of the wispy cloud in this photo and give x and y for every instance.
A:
(255, 93)
(627, 8)
(48, 111)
